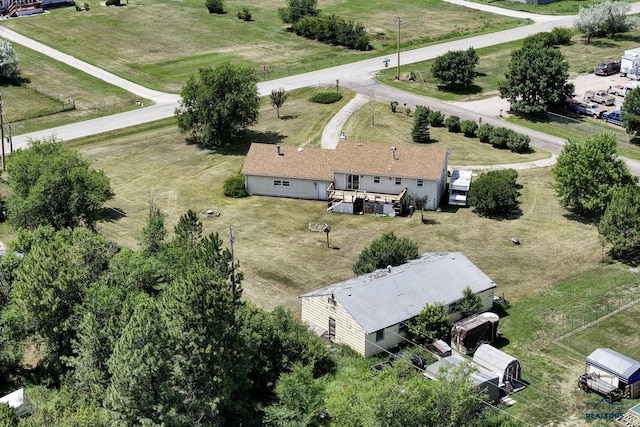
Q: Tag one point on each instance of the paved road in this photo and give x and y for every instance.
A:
(357, 76)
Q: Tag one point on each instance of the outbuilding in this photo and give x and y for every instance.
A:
(506, 366)
(481, 377)
(616, 369)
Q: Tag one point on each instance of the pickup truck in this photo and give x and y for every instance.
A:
(599, 96)
(594, 110)
(618, 90)
(614, 117)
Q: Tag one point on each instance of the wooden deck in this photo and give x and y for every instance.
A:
(350, 196)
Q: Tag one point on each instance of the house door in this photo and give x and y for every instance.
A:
(353, 182)
(322, 191)
(332, 328)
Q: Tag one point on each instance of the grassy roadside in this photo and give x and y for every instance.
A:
(176, 39)
(53, 94)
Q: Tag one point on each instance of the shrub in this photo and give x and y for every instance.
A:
(484, 132)
(386, 250)
(495, 193)
(215, 6)
(561, 35)
(244, 14)
(86, 6)
(469, 128)
(499, 137)
(326, 97)
(436, 118)
(453, 124)
(78, 8)
(518, 143)
(408, 112)
(412, 76)
(394, 106)
(234, 187)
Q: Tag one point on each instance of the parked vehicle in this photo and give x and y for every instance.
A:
(618, 90)
(630, 59)
(631, 86)
(570, 104)
(614, 117)
(634, 73)
(599, 96)
(607, 68)
(593, 110)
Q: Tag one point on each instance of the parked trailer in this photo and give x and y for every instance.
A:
(630, 59)
(470, 333)
(592, 382)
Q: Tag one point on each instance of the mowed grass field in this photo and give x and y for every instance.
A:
(160, 43)
(553, 279)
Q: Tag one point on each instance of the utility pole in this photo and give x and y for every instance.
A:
(2, 130)
(398, 22)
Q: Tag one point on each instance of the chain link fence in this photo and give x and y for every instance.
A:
(587, 129)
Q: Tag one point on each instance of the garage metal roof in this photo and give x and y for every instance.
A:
(623, 367)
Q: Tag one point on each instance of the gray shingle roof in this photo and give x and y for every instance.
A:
(382, 298)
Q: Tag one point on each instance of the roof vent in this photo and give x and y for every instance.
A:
(278, 152)
(300, 149)
(393, 152)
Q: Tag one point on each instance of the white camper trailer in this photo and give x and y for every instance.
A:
(630, 59)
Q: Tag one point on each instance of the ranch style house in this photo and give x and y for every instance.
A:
(369, 313)
(353, 178)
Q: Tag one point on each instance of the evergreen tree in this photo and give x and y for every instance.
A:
(420, 131)
(620, 224)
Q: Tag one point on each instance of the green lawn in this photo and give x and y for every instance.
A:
(54, 94)
(160, 43)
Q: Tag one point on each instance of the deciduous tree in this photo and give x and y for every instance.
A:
(495, 193)
(631, 112)
(456, 67)
(53, 185)
(8, 61)
(388, 249)
(471, 303)
(296, 9)
(620, 224)
(587, 173)
(430, 325)
(218, 104)
(609, 17)
(278, 98)
(536, 78)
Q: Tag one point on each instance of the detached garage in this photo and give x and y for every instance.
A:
(616, 369)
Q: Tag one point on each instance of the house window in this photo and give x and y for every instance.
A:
(376, 179)
(398, 181)
(277, 182)
(402, 328)
(285, 183)
(420, 183)
(379, 335)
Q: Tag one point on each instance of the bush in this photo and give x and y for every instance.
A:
(386, 250)
(86, 6)
(484, 132)
(499, 137)
(561, 35)
(78, 8)
(394, 106)
(234, 187)
(469, 128)
(495, 193)
(215, 6)
(453, 124)
(518, 143)
(326, 97)
(436, 118)
(244, 14)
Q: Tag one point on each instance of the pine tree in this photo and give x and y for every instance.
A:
(420, 131)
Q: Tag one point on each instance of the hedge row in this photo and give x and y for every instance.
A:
(333, 30)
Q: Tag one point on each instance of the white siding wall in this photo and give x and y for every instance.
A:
(487, 304)
(297, 189)
(392, 338)
(317, 310)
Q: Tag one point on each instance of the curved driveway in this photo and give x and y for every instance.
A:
(357, 76)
